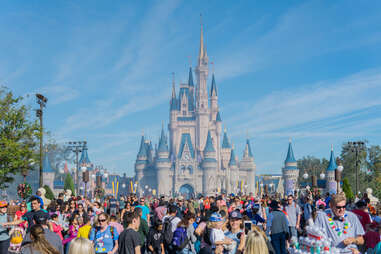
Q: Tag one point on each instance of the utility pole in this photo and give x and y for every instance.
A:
(76, 147)
(42, 100)
(357, 147)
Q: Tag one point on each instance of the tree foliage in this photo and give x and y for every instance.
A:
(69, 183)
(312, 166)
(347, 189)
(18, 137)
(49, 193)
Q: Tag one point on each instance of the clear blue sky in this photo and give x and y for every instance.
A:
(306, 70)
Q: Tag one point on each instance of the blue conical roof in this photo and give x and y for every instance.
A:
(290, 154)
(173, 104)
(332, 162)
(84, 156)
(225, 141)
(142, 150)
(209, 144)
(213, 89)
(232, 160)
(218, 117)
(163, 146)
(46, 167)
(249, 148)
(190, 79)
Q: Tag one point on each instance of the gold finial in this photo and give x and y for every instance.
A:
(331, 147)
(289, 140)
(225, 130)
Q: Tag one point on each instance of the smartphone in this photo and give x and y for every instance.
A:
(247, 226)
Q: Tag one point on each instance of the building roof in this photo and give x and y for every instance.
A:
(190, 79)
(232, 160)
(209, 144)
(163, 145)
(142, 150)
(290, 154)
(84, 156)
(225, 141)
(248, 148)
(213, 88)
(46, 167)
(218, 117)
(186, 139)
(332, 162)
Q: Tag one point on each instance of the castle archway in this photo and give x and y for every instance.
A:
(186, 191)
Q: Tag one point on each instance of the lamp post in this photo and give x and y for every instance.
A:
(76, 147)
(357, 147)
(41, 100)
(338, 171)
(85, 178)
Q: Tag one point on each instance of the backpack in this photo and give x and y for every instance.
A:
(167, 231)
(180, 238)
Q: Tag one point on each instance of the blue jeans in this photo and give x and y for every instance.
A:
(293, 231)
(279, 242)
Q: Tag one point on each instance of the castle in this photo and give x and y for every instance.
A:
(194, 159)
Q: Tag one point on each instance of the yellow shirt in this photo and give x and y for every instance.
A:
(84, 231)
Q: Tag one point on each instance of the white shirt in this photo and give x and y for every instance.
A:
(174, 222)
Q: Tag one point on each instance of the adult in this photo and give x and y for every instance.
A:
(105, 237)
(4, 237)
(362, 213)
(161, 210)
(143, 229)
(293, 211)
(277, 227)
(235, 232)
(185, 226)
(81, 246)
(41, 218)
(145, 210)
(38, 244)
(113, 205)
(171, 217)
(341, 226)
(129, 240)
(255, 243)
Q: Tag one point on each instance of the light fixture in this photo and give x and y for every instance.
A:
(322, 176)
(340, 168)
(83, 168)
(305, 175)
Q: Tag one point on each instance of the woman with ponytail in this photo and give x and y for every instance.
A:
(39, 244)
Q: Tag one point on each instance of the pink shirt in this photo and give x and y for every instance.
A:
(119, 228)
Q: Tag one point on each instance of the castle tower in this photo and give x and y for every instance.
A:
(209, 165)
(290, 172)
(141, 163)
(48, 172)
(163, 165)
(247, 164)
(331, 185)
(234, 173)
(202, 108)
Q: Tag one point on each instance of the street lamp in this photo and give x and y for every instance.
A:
(76, 147)
(338, 171)
(41, 100)
(357, 147)
(85, 178)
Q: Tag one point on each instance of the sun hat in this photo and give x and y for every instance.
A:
(3, 204)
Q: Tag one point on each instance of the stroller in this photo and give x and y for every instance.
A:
(17, 235)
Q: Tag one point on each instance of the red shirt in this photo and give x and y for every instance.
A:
(363, 217)
(371, 239)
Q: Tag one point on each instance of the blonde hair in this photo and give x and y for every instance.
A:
(81, 246)
(255, 243)
(337, 198)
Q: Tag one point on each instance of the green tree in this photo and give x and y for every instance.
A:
(312, 166)
(49, 193)
(69, 183)
(18, 137)
(347, 189)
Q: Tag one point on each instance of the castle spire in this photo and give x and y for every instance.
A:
(232, 160)
(202, 53)
(173, 98)
(46, 167)
(332, 162)
(247, 152)
(190, 79)
(142, 149)
(209, 144)
(163, 146)
(225, 141)
(290, 154)
(213, 89)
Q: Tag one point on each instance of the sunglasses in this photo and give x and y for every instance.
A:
(340, 207)
(102, 220)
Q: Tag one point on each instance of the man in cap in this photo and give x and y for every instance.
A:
(277, 227)
(235, 233)
(41, 218)
(363, 214)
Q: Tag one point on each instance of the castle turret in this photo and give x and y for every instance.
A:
(213, 99)
(209, 164)
(331, 185)
(225, 151)
(48, 172)
(163, 166)
(290, 172)
(234, 173)
(141, 163)
(191, 90)
(247, 164)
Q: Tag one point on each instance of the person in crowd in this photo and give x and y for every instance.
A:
(105, 237)
(277, 228)
(4, 237)
(84, 230)
(114, 223)
(129, 240)
(72, 232)
(235, 231)
(38, 243)
(81, 211)
(143, 228)
(217, 237)
(113, 205)
(184, 236)
(55, 226)
(363, 214)
(145, 210)
(161, 210)
(293, 212)
(18, 215)
(81, 246)
(171, 217)
(307, 210)
(336, 220)
(255, 243)
(155, 239)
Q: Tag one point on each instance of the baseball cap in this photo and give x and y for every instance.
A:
(236, 215)
(215, 217)
(40, 217)
(3, 204)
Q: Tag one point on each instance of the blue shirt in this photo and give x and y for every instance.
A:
(235, 239)
(145, 211)
(3, 231)
(104, 241)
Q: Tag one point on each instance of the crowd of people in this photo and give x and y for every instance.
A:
(218, 224)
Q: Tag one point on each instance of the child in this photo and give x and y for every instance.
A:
(55, 226)
(217, 236)
(155, 239)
